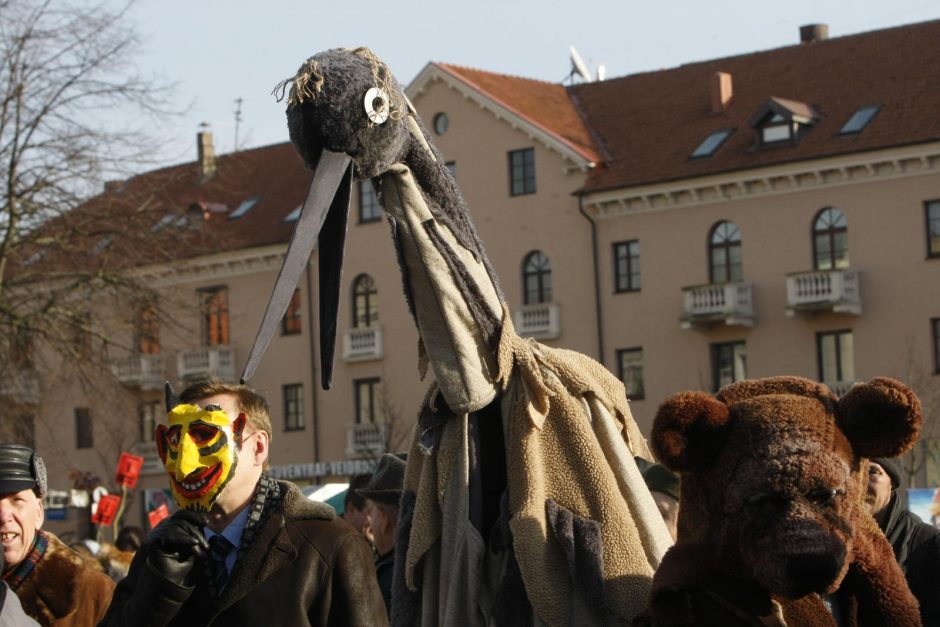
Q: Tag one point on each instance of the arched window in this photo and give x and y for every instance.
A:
(830, 240)
(724, 253)
(536, 278)
(365, 302)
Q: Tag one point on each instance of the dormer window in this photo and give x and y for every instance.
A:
(783, 121)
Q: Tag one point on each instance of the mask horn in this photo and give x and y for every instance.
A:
(170, 397)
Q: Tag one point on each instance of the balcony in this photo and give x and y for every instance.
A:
(20, 386)
(152, 464)
(145, 372)
(725, 303)
(839, 388)
(817, 290)
(363, 344)
(540, 321)
(208, 361)
(366, 440)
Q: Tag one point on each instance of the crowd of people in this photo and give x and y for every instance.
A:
(263, 554)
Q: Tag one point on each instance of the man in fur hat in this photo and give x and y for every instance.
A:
(53, 583)
(916, 544)
(244, 548)
(382, 494)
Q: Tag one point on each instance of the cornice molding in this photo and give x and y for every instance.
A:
(852, 169)
(214, 267)
(434, 73)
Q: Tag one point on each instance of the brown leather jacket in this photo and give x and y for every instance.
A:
(62, 591)
(305, 567)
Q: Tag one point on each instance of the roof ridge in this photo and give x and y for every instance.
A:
(458, 67)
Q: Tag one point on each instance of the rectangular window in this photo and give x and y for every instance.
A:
(368, 401)
(293, 407)
(149, 413)
(522, 172)
(290, 325)
(932, 209)
(369, 208)
(935, 325)
(214, 302)
(729, 363)
(147, 330)
(630, 367)
(836, 357)
(627, 266)
(84, 437)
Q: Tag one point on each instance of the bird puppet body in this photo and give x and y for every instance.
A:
(522, 500)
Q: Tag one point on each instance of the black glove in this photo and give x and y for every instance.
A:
(177, 544)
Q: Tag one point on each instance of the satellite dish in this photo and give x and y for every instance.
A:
(601, 72)
(579, 67)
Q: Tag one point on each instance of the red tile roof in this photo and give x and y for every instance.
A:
(650, 123)
(545, 105)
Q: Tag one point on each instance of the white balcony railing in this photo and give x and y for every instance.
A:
(729, 303)
(142, 371)
(208, 361)
(839, 388)
(540, 321)
(836, 290)
(152, 464)
(363, 344)
(366, 440)
(20, 386)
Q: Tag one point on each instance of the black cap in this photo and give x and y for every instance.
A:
(386, 483)
(892, 468)
(21, 469)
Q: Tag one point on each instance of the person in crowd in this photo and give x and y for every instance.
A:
(664, 487)
(129, 538)
(382, 494)
(354, 507)
(54, 584)
(916, 544)
(243, 549)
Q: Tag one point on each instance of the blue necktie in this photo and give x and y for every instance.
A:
(219, 548)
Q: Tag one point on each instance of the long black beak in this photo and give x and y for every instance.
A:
(322, 220)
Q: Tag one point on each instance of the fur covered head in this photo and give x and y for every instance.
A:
(347, 101)
(773, 473)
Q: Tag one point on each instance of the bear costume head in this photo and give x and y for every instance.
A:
(771, 509)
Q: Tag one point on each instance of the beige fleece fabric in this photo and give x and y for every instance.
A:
(570, 437)
(464, 367)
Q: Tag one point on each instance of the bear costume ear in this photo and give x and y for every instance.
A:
(881, 418)
(689, 431)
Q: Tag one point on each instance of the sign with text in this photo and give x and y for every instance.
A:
(106, 509)
(157, 515)
(128, 470)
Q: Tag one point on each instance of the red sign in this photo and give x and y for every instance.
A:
(157, 515)
(106, 509)
(128, 470)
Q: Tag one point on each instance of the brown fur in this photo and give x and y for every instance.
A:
(773, 481)
(64, 591)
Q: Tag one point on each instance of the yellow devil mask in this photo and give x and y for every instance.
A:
(199, 448)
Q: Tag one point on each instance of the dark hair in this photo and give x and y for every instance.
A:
(352, 496)
(129, 538)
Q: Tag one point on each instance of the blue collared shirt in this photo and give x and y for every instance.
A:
(232, 533)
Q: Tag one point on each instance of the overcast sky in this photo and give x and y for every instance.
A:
(220, 50)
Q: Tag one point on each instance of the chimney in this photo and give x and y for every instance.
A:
(814, 32)
(205, 151)
(721, 92)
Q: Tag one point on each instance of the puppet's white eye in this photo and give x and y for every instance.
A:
(376, 105)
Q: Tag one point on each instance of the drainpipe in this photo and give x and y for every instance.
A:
(597, 280)
(313, 362)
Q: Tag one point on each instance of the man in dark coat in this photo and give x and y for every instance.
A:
(382, 494)
(273, 557)
(916, 544)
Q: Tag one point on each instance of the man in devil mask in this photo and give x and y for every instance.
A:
(244, 549)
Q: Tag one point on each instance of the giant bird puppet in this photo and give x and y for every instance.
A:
(523, 503)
